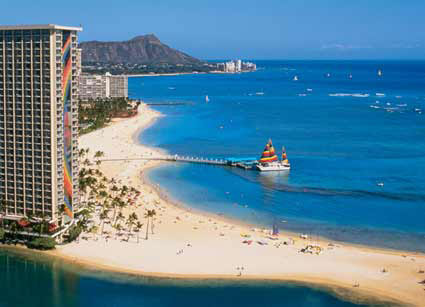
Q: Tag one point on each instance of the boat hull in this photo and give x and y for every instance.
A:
(273, 167)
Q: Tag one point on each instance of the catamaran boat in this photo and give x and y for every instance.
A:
(270, 162)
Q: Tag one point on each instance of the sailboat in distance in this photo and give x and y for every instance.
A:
(379, 73)
(207, 99)
(270, 162)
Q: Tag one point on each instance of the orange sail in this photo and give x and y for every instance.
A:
(269, 154)
(284, 156)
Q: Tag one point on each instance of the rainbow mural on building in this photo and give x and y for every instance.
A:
(66, 92)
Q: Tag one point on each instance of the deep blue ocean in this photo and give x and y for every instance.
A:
(37, 281)
(356, 146)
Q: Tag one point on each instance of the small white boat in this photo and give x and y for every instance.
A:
(295, 78)
(328, 75)
(379, 73)
(259, 93)
(270, 162)
(207, 99)
(350, 76)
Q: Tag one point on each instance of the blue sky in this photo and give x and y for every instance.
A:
(267, 29)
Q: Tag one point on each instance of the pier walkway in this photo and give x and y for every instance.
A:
(176, 158)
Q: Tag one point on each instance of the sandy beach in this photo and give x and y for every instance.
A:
(190, 244)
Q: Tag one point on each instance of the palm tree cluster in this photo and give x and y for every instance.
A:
(105, 201)
(95, 114)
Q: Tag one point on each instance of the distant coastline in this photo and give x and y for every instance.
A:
(184, 73)
(164, 74)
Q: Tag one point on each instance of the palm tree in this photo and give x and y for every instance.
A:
(97, 172)
(118, 229)
(124, 190)
(61, 214)
(102, 194)
(115, 205)
(94, 230)
(148, 215)
(82, 153)
(114, 189)
(41, 224)
(99, 154)
(102, 217)
(131, 220)
(138, 228)
(153, 213)
(85, 216)
(120, 217)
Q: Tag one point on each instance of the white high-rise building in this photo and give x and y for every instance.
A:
(103, 86)
(238, 65)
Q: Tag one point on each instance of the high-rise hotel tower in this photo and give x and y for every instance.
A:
(38, 120)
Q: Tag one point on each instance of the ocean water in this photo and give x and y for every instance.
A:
(37, 281)
(343, 136)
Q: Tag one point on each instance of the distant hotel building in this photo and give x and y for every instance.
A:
(38, 120)
(92, 87)
(103, 86)
(236, 66)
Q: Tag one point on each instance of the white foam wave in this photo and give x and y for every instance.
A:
(349, 95)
